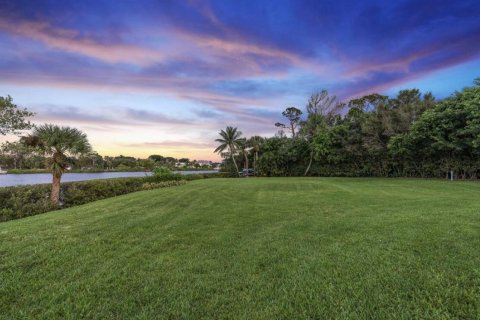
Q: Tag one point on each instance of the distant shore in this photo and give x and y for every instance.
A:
(32, 171)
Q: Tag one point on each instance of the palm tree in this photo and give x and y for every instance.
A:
(58, 143)
(108, 163)
(244, 148)
(230, 139)
(255, 142)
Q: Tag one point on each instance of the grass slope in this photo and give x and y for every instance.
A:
(252, 249)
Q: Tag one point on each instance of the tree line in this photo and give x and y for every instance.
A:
(17, 156)
(409, 135)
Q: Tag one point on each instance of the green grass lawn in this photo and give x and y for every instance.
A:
(291, 248)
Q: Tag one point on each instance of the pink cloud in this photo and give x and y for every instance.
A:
(72, 41)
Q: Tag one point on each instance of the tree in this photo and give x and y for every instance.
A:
(256, 143)
(170, 161)
(108, 163)
(146, 164)
(368, 103)
(322, 109)
(230, 140)
(12, 118)
(293, 115)
(322, 103)
(124, 162)
(18, 152)
(58, 143)
(90, 161)
(244, 149)
(408, 135)
(450, 132)
(275, 157)
(310, 127)
(157, 158)
(321, 144)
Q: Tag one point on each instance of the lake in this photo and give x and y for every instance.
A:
(7, 180)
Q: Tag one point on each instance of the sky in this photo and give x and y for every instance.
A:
(163, 77)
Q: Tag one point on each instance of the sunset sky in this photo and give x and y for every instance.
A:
(163, 77)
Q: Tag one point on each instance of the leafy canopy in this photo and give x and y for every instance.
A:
(53, 139)
(59, 143)
(230, 138)
(12, 118)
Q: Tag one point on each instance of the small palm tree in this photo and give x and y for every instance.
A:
(58, 143)
(244, 149)
(256, 143)
(230, 139)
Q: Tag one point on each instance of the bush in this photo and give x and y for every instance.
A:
(198, 176)
(163, 184)
(164, 174)
(21, 171)
(19, 202)
(23, 201)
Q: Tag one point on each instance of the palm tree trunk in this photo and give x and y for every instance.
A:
(233, 158)
(309, 164)
(55, 195)
(235, 163)
(246, 164)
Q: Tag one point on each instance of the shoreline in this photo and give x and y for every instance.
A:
(41, 171)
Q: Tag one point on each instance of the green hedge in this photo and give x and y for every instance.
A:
(21, 171)
(197, 176)
(24, 201)
(18, 202)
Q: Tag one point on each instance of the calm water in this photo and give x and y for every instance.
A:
(7, 180)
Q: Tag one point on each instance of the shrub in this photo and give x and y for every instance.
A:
(164, 174)
(198, 176)
(162, 184)
(20, 171)
(19, 202)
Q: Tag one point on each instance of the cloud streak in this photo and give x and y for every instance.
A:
(115, 116)
(71, 41)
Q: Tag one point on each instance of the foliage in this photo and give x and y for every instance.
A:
(162, 184)
(410, 135)
(230, 141)
(22, 171)
(19, 202)
(448, 133)
(199, 176)
(58, 143)
(21, 155)
(165, 174)
(22, 158)
(12, 118)
(293, 115)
